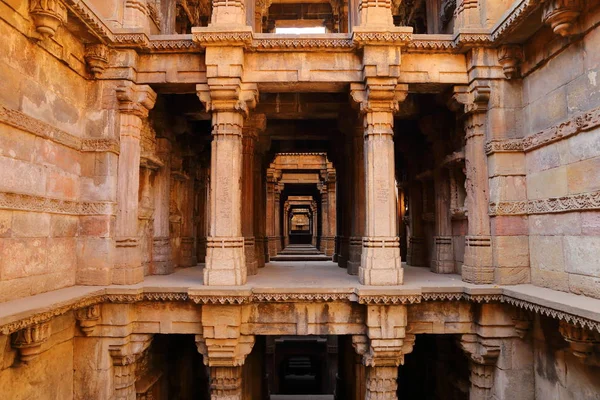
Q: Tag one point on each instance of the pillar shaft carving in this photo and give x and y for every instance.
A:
(125, 356)
(416, 248)
(161, 247)
(229, 104)
(252, 127)
(378, 100)
(271, 212)
(477, 266)
(135, 101)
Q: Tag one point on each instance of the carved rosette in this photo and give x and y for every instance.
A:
(29, 341)
(47, 16)
(560, 15)
(96, 57)
(88, 318)
(510, 57)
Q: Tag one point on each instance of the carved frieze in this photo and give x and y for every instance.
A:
(575, 202)
(25, 202)
(47, 16)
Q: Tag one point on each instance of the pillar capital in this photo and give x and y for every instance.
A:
(228, 94)
(561, 15)
(378, 95)
(135, 99)
(474, 98)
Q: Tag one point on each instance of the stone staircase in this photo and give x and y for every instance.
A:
(300, 252)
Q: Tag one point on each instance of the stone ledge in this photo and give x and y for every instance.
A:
(577, 310)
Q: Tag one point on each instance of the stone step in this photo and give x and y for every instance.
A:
(300, 257)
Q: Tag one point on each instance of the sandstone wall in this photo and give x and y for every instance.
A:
(562, 84)
(57, 168)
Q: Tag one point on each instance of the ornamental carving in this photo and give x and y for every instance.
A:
(514, 18)
(88, 318)
(583, 343)
(135, 99)
(561, 15)
(28, 341)
(96, 57)
(25, 202)
(301, 44)
(511, 57)
(47, 16)
(576, 202)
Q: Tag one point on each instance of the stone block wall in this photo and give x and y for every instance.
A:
(57, 161)
(561, 117)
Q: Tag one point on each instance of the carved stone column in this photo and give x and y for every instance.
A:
(324, 218)
(135, 101)
(124, 356)
(203, 218)
(224, 349)
(277, 214)
(260, 189)
(161, 246)
(380, 264)
(358, 199)
(188, 240)
(315, 222)
(331, 212)
(416, 247)
(478, 267)
(225, 261)
(286, 224)
(442, 260)
(383, 349)
(250, 136)
(271, 211)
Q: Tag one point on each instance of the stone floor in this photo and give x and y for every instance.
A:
(305, 277)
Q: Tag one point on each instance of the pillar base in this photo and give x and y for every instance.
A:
(416, 252)
(354, 254)
(477, 267)
(225, 262)
(188, 256)
(443, 255)
(259, 251)
(250, 254)
(128, 262)
(272, 246)
(161, 256)
(381, 264)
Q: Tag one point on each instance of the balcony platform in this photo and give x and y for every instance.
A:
(302, 281)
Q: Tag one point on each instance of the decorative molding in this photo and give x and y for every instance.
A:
(513, 18)
(317, 44)
(174, 45)
(389, 299)
(219, 300)
(204, 37)
(295, 297)
(575, 202)
(96, 57)
(28, 341)
(432, 43)
(93, 22)
(26, 123)
(578, 123)
(25, 202)
(135, 40)
(47, 16)
(402, 37)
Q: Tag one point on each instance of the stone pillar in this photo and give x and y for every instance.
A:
(277, 213)
(315, 222)
(416, 248)
(135, 101)
(224, 349)
(383, 349)
(381, 263)
(202, 219)
(161, 248)
(225, 261)
(286, 224)
(188, 239)
(259, 206)
(478, 267)
(331, 212)
(324, 218)
(271, 211)
(358, 199)
(442, 260)
(250, 131)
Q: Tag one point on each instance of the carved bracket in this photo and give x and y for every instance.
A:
(88, 318)
(96, 57)
(511, 57)
(224, 352)
(583, 343)
(135, 99)
(47, 16)
(561, 15)
(29, 341)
